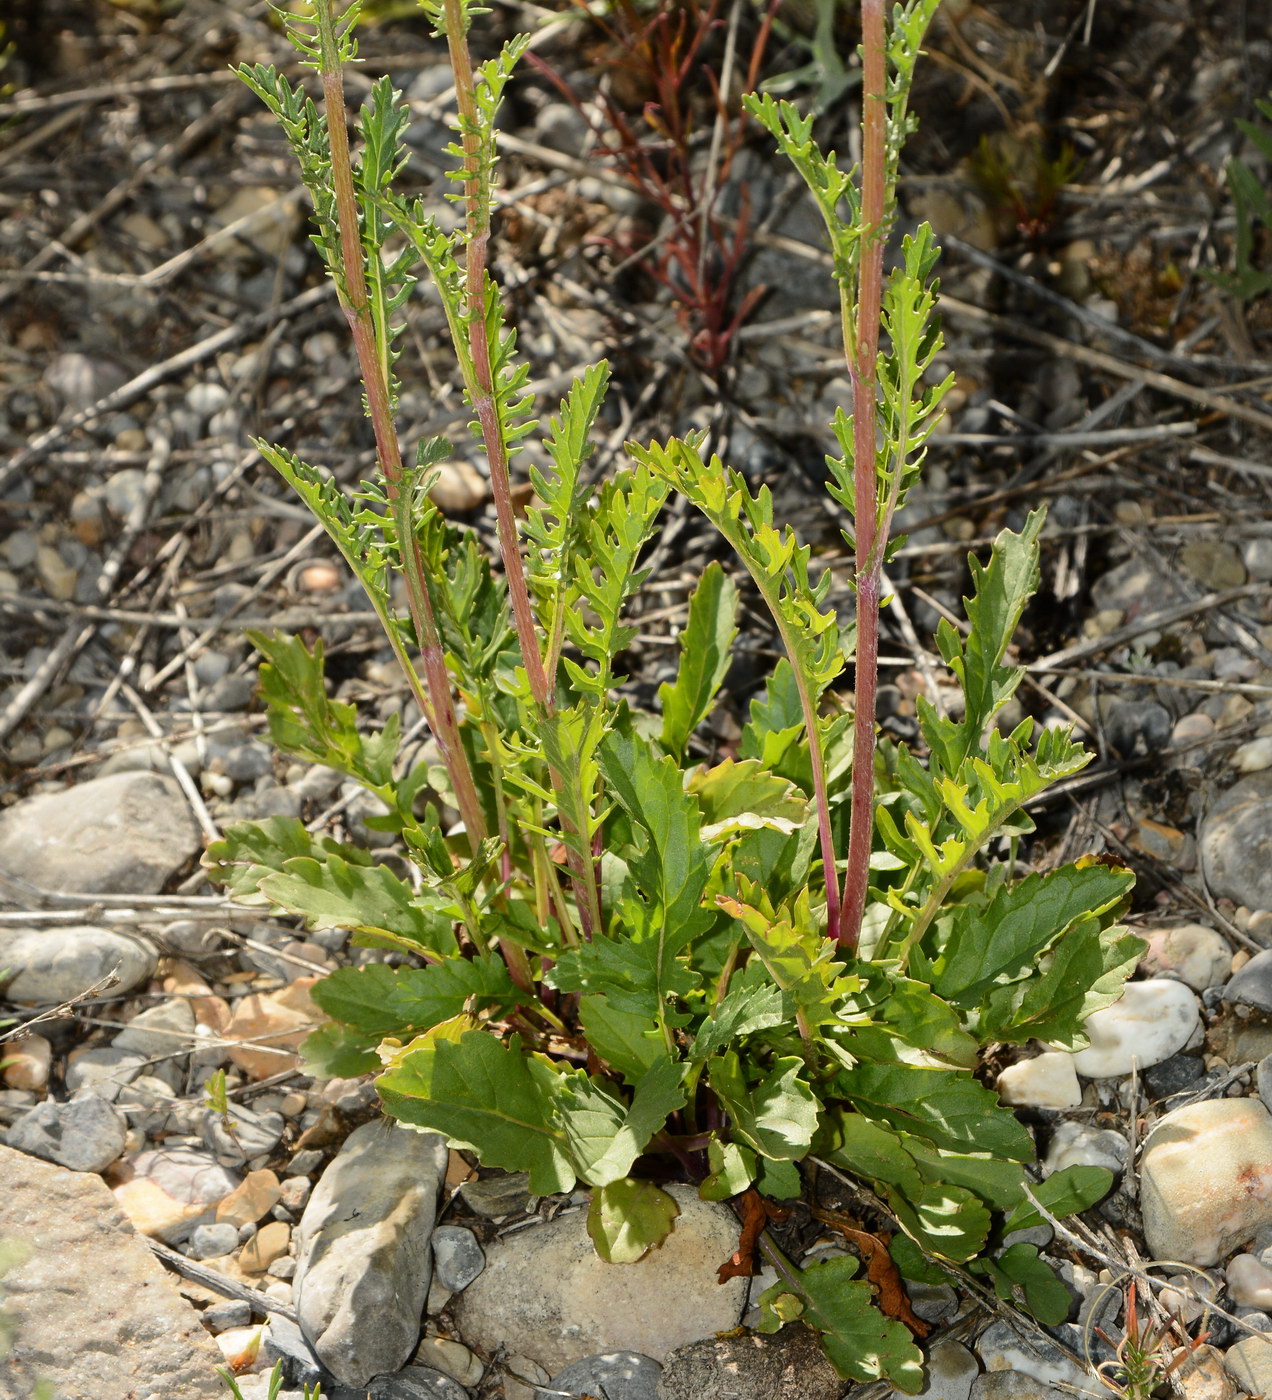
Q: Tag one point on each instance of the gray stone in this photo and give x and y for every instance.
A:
(496, 1196)
(136, 1337)
(254, 1133)
(788, 1365)
(618, 1375)
(1249, 1363)
(933, 1302)
(103, 1070)
(545, 1293)
(1014, 1385)
(950, 1373)
(1002, 1350)
(410, 1383)
(457, 1257)
(363, 1259)
(213, 1241)
(1236, 843)
(1138, 727)
(220, 1317)
(42, 967)
(186, 1174)
(1173, 1076)
(84, 1134)
(1252, 984)
(162, 1030)
(125, 834)
(283, 1341)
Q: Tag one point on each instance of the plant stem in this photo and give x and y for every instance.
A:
(870, 540)
(357, 311)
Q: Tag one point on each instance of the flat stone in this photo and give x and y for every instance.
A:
(1078, 1144)
(213, 1242)
(618, 1375)
(545, 1293)
(1014, 1385)
(153, 1212)
(43, 967)
(364, 1261)
(251, 1200)
(1204, 1377)
(1252, 984)
(28, 1062)
(1048, 1080)
(125, 834)
(1236, 843)
(274, 1024)
(1249, 1363)
(1151, 1021)
(186, 1174)
(136, 1337)
(1206, 1179)
(1002, 1350)
(1173, 1076)
(251, 1133)
(103, 1070)
(84, 1134)
(270, 1242)
(1193, 953)
(951, 1370)
(410, 1383)
(457, 1257)
(496, 1196)
(165, 1029)
(787, 1365)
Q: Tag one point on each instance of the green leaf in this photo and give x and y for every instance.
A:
(1019, 1274)
(945, 1220)
(909, 1259)
(779, 1180)
(398, 1001)
(870, 1150)
(947, 1107)
(332, 893)
(605, 1136)
(859, 1341)
(249, 851)
(736, 797)
(745, 1008)
(1065, 1192)
(1006, 938)
(625, 1040)
(777, 1116)
(485, 1097)
(628, 1218)
(730, 1170)
(339, 1052)
(704, 658)
(1000, 1184)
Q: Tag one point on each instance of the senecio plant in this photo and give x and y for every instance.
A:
(627, 965)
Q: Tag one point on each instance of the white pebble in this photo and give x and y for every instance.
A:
(1075, 1144)
(1152, 1021)
(1046, 1081)
(1253, 757)
(1249, 1282)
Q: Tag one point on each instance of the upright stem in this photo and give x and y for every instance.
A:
(862, 357)
(440, 709)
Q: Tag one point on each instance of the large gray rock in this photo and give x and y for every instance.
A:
(617, 1375)
(44, 966)
(1202, 1180)
(546, 1294)
(93, 1312)
(1236, 843)
(363, 1254)
(84, 1134)
(789, 1365)
(125, 834)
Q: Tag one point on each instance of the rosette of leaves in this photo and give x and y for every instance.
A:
(627, 963)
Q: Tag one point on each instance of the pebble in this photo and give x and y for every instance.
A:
(251, 1200)
(1076, 1144)
(1206, 1178)
(1234, 843)
(1256, 555)
(362, 1247)
(497, 1196)
(1192, 729)
(28, 1062)
(185, 1174)
(124, 834)
(250, 1134)
(522, 1377)
(294, 1191)
(1015, 1385)
(1252, 984)
(92, 1312)
(1249, 1281)
(410, 1383)
(1002, 1350)
(270, 1242)
(651, 1307)
(42, 967)
(1048, 1080)
(1249, 1363)
(1253, 757)
(212, 1241)
(220, 1317)
(1150, 1022)
(277, 1022)
(459, 487)
(1195, 954)
(84, 1134)
(159, 1030)
(457, 1257)
(1215, 563)
(1204, 1377)
(951, 1370)
(452, 1358)
(618, 1375)
(787, 1365)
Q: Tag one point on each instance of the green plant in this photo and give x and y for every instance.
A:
(1147, 1353)
(275, 1384)
(629, 964)
(1253, 206)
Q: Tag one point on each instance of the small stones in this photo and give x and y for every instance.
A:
(1249, 1281)
(496, 1196)
(789, 1365)
(40, 967)
(159, 1031)
(1152, 1021)
(124, 834)
(1205, 1179)
(1048, 1080)
(457, 1257)
(1076, 1144)
(84, 1134)
(212, 1241)
(450, 1357)
(249, 1134)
